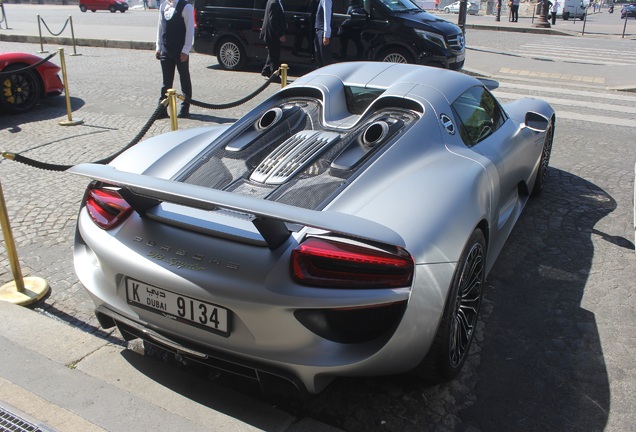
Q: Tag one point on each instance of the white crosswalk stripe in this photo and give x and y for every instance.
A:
(576, 54)
(587, 103)
(568, 53)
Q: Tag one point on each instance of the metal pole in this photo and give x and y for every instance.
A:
(4, 16)
(70, 121)
(461, 19)
(624, 26)
(40, 31)
(172, 109)
(21, 291)
(73, 36)
(10, 244)
(498, 17)
(542, 22)
(283, 75)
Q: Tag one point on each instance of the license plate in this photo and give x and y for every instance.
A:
(178, 307)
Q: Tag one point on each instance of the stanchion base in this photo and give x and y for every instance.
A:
(34, 289)
(71, 122)
(77, 54)
(42, 52)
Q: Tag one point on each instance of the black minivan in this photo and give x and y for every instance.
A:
(382, 30)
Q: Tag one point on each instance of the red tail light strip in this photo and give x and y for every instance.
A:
(106, 206)
(328, 263)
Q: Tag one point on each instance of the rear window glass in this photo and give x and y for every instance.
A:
(359, 98)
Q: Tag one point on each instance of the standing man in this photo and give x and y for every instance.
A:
(175, 35)
(514, 11)
(273, 33)
(555, 11)
(323, 33)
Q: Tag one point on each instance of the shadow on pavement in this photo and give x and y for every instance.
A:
(52, 108)
(543, 366)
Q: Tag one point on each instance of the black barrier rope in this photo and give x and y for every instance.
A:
(55, 34)
(55, 167)
(28, 67)
(232, 104)
(158, 111)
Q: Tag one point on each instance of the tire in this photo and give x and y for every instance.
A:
(456, 330)
(112, 9)
(566, 16)
(231, 55)
(20, 92)
(447, 10)
(83, 8)
(542, 172)
(395, 55)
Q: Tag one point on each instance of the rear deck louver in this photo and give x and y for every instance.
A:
(292, 156)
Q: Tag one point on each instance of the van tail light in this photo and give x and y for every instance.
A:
(333, 264)
(106, 207)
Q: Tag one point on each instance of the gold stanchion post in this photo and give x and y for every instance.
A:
(172, 109)
(20, 291)
(41, 42)
(70, 121)
(283, 73)
(73, 36)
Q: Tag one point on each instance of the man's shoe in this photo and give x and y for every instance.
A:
(184, 113)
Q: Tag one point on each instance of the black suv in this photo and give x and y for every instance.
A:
(383, 30)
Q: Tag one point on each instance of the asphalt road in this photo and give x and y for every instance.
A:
(555, 344)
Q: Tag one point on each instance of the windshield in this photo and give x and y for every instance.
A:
(400, 5)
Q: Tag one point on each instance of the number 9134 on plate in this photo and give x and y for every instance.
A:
(178, 307)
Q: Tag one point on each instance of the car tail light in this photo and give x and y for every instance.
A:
(106, 206)
(328, 263)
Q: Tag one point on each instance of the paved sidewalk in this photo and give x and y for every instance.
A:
(69, 380)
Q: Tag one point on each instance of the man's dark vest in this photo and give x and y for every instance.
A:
(173, 37)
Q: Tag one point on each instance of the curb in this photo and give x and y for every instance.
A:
(73, 381)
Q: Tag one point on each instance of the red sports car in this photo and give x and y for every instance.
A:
(22, 85)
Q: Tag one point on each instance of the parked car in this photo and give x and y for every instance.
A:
(471, 8)
(343, 227)
(381, 30)
(628, 10)
(110, 5)
(23, 85)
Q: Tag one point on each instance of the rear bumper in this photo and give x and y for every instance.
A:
(130, 330)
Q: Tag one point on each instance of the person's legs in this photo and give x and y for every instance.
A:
(167, 72)
(323, 52)
(186, 85)
(318, 47)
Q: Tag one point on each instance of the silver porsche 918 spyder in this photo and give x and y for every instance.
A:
(343, 227)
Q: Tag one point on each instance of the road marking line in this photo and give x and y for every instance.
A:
(565, 77)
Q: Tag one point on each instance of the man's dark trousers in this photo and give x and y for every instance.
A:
(168, 65)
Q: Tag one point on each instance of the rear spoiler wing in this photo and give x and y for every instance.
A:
(269, 218)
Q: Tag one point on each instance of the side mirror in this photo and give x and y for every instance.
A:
(359, 13)
(537, 122)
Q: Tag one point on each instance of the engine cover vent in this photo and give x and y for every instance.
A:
(292, 156)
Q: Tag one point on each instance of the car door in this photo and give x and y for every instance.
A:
(299, 42)
(484, 127)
